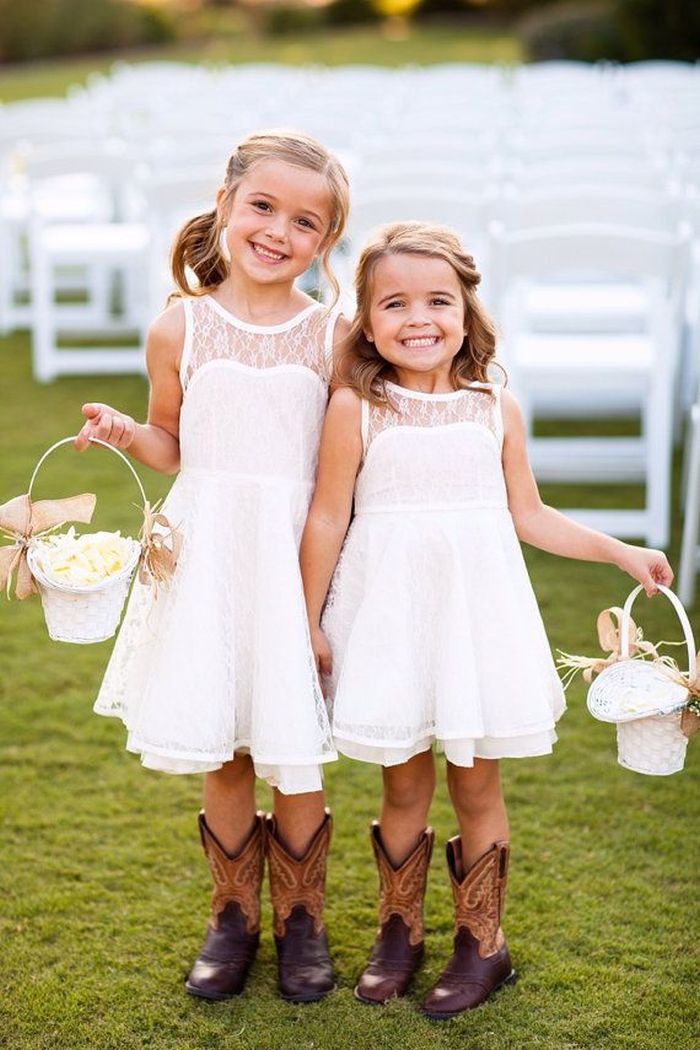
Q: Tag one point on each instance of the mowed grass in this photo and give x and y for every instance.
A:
(421, 45)
(104, 891)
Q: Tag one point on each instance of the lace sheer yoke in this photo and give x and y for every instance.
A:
(479, 403)
(214, 334)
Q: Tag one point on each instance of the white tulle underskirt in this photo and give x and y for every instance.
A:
(458, 752)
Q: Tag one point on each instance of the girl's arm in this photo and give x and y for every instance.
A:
(156, 442)
(543, 527)
(329, 515)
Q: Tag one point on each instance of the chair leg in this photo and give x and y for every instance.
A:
(689, 542)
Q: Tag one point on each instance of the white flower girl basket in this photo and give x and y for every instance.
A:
(645, 701)
(91, 612)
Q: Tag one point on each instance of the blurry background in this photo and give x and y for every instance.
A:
(563, 142)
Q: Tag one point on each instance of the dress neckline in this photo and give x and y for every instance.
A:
(420, 395)
(248, 326)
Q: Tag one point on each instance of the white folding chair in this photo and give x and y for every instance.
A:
(565, 374)
(690, 550)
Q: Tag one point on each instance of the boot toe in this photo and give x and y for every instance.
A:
(378, 988)
(215, 980)
(306, 984)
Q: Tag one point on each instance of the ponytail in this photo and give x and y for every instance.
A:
(196, 249)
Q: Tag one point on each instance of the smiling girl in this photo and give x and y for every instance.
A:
(431, 631)
(214, 677)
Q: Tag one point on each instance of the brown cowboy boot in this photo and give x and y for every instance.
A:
(398, 948)
(221, 968)
(480, 962)
(297, 890)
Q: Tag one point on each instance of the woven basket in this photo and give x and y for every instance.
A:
(644, 702)
(91, 613)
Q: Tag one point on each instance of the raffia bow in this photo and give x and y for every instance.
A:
(639, 648)
(21, 520)
(690, 717)
(160, 548)
(609, 625)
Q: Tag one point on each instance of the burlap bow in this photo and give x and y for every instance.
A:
(21, 520)
(609, 624)
(159, 549)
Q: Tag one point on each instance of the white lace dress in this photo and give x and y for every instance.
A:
(221, 662)
(432, 620)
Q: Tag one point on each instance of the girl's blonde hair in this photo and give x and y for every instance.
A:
(196, 246)
(362, 367)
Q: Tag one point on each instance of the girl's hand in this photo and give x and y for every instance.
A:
(107, 424)
(648, 567)
(322, 653)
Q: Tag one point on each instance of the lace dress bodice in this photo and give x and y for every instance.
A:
(254, 396)
(432, 451)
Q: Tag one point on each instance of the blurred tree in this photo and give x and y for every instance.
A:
(616, 30)
(40, 28)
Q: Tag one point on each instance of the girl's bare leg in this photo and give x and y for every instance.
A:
(478, 801)
(408, 792)
(229, 802)
(298, 818)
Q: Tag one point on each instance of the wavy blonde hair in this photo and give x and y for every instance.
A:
(196, 246)
(362, 367)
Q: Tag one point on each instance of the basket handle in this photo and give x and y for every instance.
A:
(95, 441)
(681, 613)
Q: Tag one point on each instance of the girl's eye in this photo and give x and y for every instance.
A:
(307, 223)
(392, 303)
(264, 205)
(438, 301)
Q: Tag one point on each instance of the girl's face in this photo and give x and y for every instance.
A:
(416, 315)
(279, 217)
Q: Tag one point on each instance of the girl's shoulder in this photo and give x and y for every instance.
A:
(345, 402)
(166, 334)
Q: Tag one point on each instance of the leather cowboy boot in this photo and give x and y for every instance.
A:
(221, 968)
(297, 890)
(398, 948)
(480, 962)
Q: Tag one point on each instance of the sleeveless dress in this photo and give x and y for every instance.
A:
(220, 661)
(433, 624)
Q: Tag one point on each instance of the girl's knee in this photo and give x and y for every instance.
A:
(475, 787)
(410, 784)
(240, 767)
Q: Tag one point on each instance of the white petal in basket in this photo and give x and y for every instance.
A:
(644, 702)
(87, 613)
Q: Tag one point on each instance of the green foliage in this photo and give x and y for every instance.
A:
(105, 891)
(658, 29)
(616, 30)
(283, 19)
(351, 12)
(581, 31)
(32, 29)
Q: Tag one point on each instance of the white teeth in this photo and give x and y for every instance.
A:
(429, 340)
(267, 253)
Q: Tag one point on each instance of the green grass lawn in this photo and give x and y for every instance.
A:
(421, 45)
(104, 891)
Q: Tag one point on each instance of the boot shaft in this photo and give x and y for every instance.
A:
(402, 889)
(298, 881)
(237, 878)
(479, 894)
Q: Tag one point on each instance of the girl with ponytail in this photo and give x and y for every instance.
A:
(215, 676)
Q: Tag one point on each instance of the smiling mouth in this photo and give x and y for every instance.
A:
(421, 342)
(268, 254)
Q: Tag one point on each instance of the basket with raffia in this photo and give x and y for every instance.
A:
(83, 591)
(655, 705)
